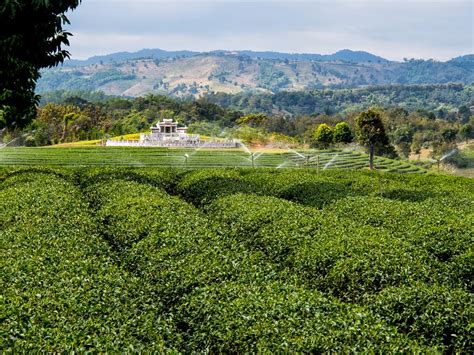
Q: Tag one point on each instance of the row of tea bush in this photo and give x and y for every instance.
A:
(111, 259)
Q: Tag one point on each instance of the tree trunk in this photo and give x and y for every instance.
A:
(371, 157)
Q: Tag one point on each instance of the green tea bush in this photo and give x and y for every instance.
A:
(329, 253)
(61, 290)
(429, 226)
(130, 211)
(158, 177)
(429, 313)
(251, 260)
(303, 186)
(168, 242)
(203, 186)
(276, 317)
(459, 271)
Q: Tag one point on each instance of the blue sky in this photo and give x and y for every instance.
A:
(439, 29)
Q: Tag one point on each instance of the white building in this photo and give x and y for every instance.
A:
(167, 134)
(168, 131)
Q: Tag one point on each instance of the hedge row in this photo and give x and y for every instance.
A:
(279, 317)
(332, 254)
(61, 290)
(122, 265)
(442, 231)
(340, 256)
(306, 187)
(158, 177)
(196, 269)
(430, 212)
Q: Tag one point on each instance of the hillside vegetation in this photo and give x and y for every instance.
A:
(232, 73)
(120, 260)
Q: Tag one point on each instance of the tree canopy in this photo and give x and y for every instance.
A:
(323, 135)
(31, 38)
(371, 132)
(342, 133)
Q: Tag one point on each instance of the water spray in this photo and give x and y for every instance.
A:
(186, 157)
(445, 156)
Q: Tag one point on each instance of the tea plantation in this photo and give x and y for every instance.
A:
(124, 259)
(197, 158)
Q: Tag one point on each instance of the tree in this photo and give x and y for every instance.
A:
(323, 135)
(253, 120)
(449, 135)
(371, 132)
(31, 38)
(464, 113)
(466, 132)
(402, 137)
(54, 122)
(343, 133)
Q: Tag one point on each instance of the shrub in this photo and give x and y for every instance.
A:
(432, 313)
(276, 317)
(61, 288)
(202, 186)
(327, 252)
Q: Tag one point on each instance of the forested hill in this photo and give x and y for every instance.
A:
(185, 74)
(344, 55)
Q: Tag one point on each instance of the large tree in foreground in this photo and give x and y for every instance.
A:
(371, 132)
(31, 38)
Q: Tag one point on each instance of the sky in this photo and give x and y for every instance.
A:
(393, 29)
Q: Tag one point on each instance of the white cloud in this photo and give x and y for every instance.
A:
(393, 29)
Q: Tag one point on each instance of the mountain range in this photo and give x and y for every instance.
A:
(342, 55)
(187, 73)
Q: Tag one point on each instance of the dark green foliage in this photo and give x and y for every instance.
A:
(449, 135)
(277, 317)
(114, 260)
(326, 252)
(370, 129)
(61, 290)
(343, 133)
(323, 136)
(410, 97)
(466, 132)
(31, 38)
(371, 132)
(431, 313)
(202, 186)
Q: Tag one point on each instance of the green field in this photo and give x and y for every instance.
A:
(163, 157)
(130, 259)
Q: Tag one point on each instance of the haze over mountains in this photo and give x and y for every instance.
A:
(187, 73)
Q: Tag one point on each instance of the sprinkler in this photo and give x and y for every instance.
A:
(445, 156)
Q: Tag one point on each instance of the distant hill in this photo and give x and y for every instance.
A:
(186, 73)
(119, 57)
(463, 59)
(345, 55)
